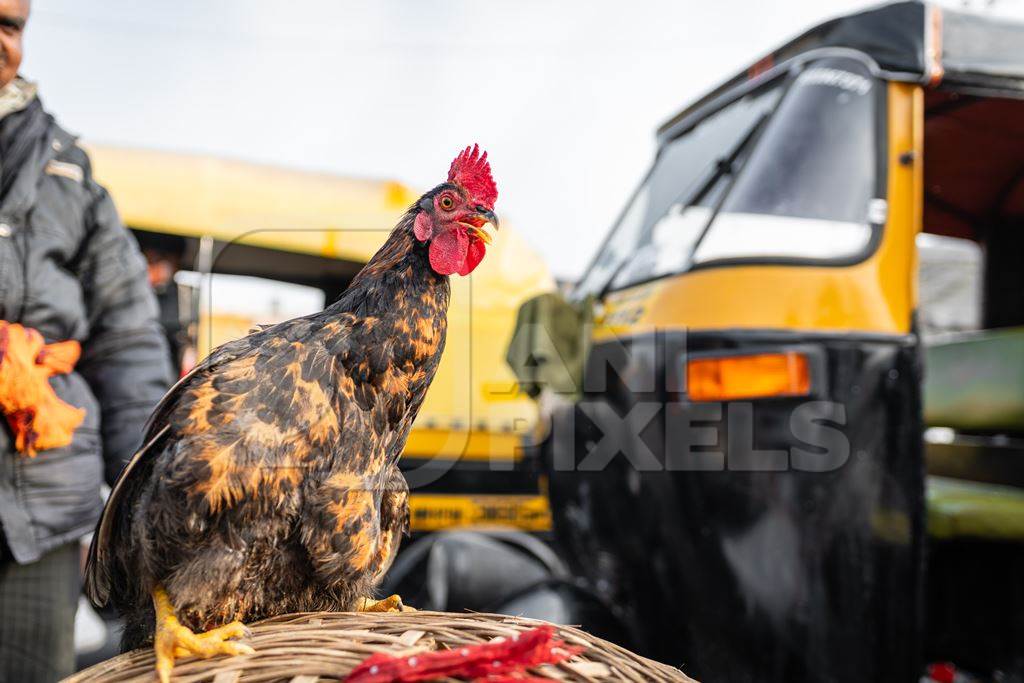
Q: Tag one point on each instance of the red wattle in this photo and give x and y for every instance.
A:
(474, 254)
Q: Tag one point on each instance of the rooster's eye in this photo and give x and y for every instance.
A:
(446, 202)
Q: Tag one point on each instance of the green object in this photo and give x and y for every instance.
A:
(967, 509)
(550, 343)
(975, 381)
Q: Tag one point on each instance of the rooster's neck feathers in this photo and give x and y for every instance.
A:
(400, 268)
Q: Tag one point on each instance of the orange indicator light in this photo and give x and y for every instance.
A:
(728, 378)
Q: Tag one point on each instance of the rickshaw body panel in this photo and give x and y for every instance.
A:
(739, 559)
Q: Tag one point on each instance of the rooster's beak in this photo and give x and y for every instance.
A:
(484, 215)
(488, 216)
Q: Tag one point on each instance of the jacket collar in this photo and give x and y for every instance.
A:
(21, 197)
(16, 95)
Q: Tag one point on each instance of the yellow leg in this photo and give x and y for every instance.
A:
(390, 604)
(174, 640)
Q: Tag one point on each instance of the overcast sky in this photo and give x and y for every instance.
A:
(564, 96)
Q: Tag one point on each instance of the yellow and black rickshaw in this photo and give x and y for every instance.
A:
(246, 231)
(815, 292)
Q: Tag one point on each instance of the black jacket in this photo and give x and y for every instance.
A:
(70, 269)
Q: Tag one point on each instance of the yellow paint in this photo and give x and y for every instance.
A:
(348, 218)
(916, 196)
(454, 444)
(432, 511)
(502, 391)
(234, 201)
(876, 295)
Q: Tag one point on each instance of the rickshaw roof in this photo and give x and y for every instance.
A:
(276, 208)
(910, 41)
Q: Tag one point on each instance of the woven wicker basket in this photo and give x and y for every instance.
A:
(325, 646)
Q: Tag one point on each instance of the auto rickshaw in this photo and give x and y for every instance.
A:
(741, 469)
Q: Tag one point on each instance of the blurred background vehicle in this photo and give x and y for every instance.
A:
(824, 244)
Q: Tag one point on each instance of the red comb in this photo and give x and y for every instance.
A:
(472, 171)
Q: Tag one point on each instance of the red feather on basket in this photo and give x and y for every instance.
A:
(495, 662)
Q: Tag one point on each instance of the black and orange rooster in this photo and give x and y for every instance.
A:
(269, 480)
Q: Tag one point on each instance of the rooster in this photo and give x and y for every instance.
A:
(268, 481)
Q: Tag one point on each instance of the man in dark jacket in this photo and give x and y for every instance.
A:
(70, 270)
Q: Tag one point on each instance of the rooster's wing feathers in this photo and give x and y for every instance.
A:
(252, 421)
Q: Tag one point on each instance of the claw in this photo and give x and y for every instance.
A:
(235, 629)
(391, 603)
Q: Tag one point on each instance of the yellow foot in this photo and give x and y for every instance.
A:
(175, 640)
(389, 604)
(217, 636)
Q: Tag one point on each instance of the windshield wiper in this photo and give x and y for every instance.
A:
(727, 165)
(724, 165)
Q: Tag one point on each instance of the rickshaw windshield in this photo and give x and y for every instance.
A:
(665, 217)
(787, 172)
